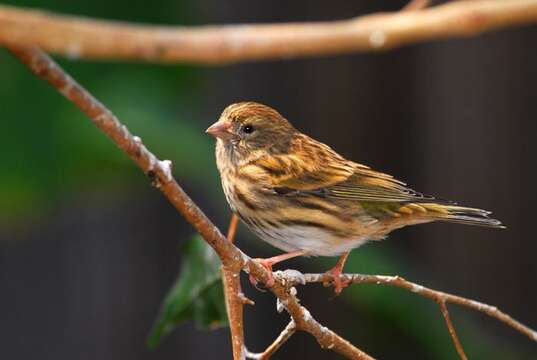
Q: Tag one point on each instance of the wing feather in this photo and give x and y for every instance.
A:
(316, 169)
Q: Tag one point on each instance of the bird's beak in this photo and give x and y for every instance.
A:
(221, 129)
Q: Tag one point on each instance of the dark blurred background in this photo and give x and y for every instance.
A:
(88, 249)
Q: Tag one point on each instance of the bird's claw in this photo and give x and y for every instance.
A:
(339, 284)
(254, 283)
(336, 281)
(270, 281)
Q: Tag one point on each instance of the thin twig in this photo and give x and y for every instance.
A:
(232, 230)
(78, 37)
(159, 171)
(435, 295)
(161, 174)
(235, 310)
(234, 299)
(451, 329)
(286, 293)
(285, 335)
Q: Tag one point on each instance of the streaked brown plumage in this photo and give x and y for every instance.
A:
(301, 196)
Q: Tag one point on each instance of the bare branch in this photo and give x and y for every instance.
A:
(285, 335)
(235, 309)
(98, 39)
(435, 295)
(304, 321)
(451, 329)
(160, 171)
(233, 259)
(235, 299)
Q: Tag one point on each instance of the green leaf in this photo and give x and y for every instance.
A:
(197, 294)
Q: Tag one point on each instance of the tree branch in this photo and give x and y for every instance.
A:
(451, 330)
(327, 339)
(98, 39)
(437, 296)
(233, 259)
(234, 298)
(285, 335)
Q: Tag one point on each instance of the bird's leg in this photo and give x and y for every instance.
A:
(336, 271)
(269, 262)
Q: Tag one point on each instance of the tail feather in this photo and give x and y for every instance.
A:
(462, 215)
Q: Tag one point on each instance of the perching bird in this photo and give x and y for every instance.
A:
(302, 197)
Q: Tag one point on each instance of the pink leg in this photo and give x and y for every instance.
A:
(336, 271)
(269, 262)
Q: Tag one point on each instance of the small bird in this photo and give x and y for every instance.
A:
(304, 198)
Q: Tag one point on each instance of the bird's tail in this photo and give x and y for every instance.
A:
(461, 215)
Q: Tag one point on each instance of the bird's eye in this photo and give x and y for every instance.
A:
(248, 129)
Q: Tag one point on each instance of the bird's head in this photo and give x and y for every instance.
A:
(250, 127)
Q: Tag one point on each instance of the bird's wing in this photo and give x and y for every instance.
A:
(321, 171)
(370, 185)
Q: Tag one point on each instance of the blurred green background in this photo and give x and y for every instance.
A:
(88, 249)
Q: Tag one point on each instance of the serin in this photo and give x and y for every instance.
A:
(304, 198)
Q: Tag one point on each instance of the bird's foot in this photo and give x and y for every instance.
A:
(267, 264)
(335, 273)
(338, 283)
